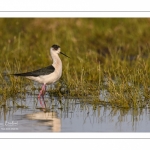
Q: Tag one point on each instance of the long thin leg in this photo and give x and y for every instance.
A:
(42, 92)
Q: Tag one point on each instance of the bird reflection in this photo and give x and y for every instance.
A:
(48, 119)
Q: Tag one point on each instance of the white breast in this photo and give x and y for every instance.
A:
(47, 79)
(53, 77)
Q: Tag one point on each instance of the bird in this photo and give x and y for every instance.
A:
(46, 75)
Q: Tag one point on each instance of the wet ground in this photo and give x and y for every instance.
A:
(70, 115)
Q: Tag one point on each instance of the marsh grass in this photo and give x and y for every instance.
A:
(109, 62)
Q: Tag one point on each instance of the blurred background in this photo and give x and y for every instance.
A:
(29, 39)
(107, 77)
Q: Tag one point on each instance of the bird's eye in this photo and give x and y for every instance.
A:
(55, 47)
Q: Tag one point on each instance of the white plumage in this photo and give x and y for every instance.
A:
(47, 75)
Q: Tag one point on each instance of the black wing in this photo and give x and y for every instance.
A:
(36, 73)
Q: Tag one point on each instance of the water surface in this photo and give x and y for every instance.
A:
(70, 115)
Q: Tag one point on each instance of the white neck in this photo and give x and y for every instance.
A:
(56, 60)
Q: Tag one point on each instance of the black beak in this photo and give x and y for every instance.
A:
(64, 54)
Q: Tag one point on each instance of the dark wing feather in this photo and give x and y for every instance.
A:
(36, 73)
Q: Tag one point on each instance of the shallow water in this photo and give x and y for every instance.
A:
(70, 115)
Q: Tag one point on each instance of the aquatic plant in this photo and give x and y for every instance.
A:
(109, 62)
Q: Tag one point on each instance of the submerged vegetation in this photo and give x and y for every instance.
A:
(109, 64)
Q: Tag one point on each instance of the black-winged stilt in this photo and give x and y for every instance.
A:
(47, 75)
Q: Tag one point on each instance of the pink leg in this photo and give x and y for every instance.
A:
(42, 92)
(43, 95)
(44, 89)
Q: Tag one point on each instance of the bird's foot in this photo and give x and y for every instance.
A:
(41, 103)
(41, 94)
(41, 100)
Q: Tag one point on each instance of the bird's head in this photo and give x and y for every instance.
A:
(56, 49)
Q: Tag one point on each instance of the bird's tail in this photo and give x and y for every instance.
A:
(15, 74)
(19, 74)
